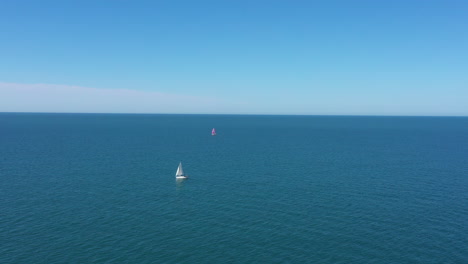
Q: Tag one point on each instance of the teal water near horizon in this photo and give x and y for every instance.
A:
(100, 188)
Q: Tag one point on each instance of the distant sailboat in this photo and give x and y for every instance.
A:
(180, 172)
(213, 132)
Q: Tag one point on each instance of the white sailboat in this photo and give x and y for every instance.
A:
(180, 172)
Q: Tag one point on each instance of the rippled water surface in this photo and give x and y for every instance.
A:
(91, 188)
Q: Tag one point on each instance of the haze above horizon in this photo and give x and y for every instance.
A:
(235, 57)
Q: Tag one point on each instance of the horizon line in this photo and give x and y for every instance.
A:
(246, 114)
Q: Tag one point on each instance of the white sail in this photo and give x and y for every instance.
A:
(180, 172)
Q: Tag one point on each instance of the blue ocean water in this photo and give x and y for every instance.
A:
(100, 188)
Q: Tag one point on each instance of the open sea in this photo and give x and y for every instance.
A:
(101, 188)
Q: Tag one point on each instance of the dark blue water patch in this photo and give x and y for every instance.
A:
(96, 188)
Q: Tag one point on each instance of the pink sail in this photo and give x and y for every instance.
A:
(213, 132)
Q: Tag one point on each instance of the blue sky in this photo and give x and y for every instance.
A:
(241, 57)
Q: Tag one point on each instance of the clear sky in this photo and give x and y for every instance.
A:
(399, 57)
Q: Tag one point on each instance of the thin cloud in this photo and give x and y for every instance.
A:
(19, 97)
